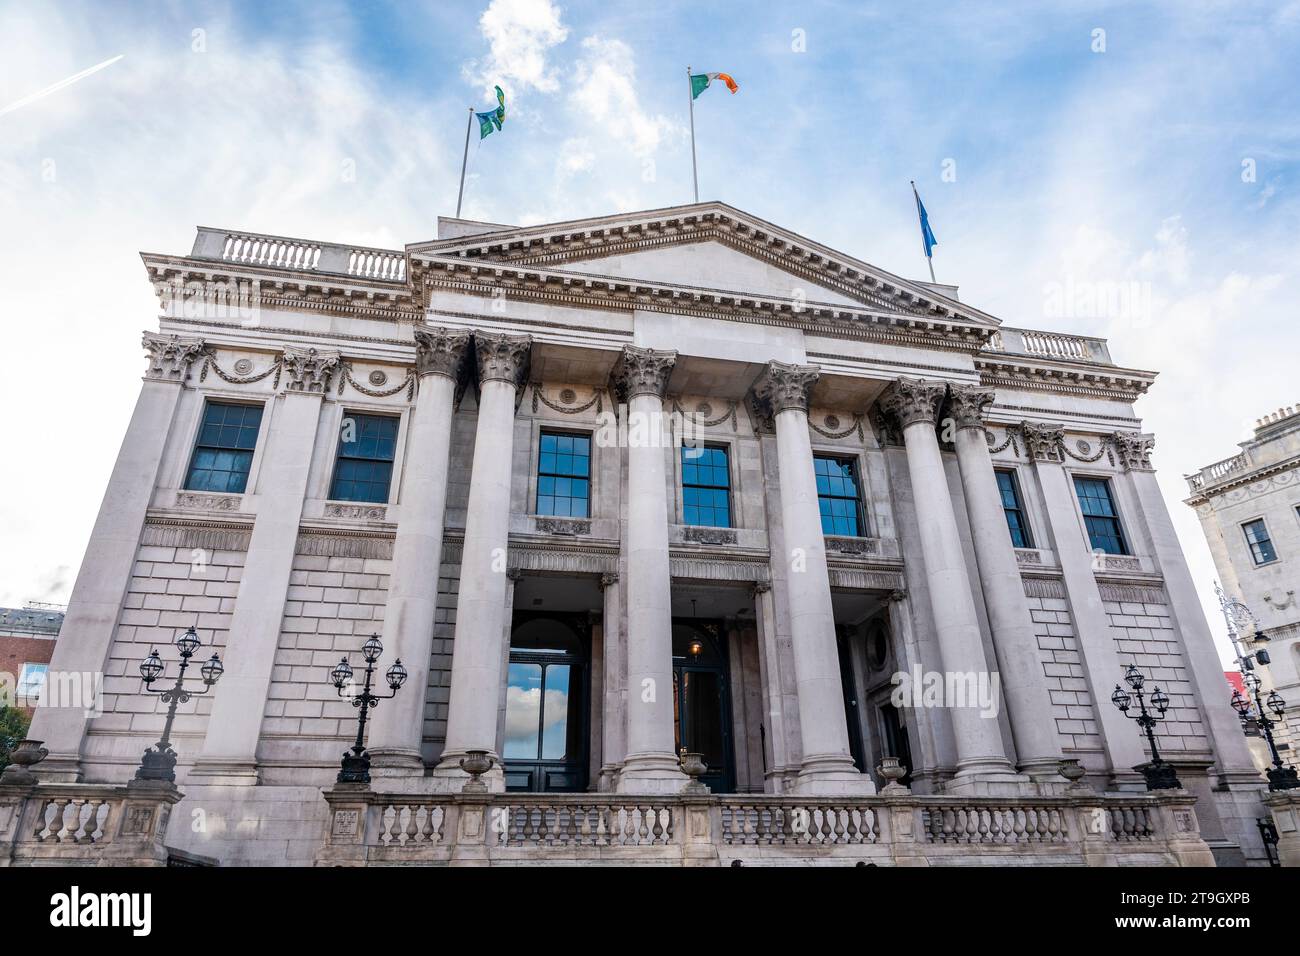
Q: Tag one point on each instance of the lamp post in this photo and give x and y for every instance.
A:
(1241, 618)
(356, 763)
(1280, 775)
(159, 761)
(1159, 775)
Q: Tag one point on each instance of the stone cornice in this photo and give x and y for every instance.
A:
(1241, 478)
(1064, 378)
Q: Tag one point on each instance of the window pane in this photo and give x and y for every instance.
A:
(223, 453)
(706, 485)
(556, 707)
(364, 468)
(563, 475)
(523, 711)
(1261, 545)
(838, 496)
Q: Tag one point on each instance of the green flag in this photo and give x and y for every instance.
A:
(492, 119)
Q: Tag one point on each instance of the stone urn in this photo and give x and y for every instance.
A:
(476, 763)
(892, 770)
(26, 754)
(693, 766)
(1074, 772)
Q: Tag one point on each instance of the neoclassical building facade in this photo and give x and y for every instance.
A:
(614, 489)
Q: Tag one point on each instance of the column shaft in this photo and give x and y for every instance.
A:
(105, 575)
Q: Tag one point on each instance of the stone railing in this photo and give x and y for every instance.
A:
(888, 829)
(300, 255)
(84, 824)
(1055, 345)
(1212, 474)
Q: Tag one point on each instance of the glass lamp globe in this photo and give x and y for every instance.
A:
(212, 670)
(396, 675)
(372, 648)
(151, 667)
(341, 674)
(188, 642)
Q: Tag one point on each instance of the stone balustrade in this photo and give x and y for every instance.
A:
(1212, 474)
(887, 829)
(1055, 345)
(84, 824)
(280, 252)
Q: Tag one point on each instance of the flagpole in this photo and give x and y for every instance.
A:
(469, 123)
(690, 93)
(928, 260)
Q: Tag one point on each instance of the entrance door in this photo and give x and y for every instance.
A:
(546, 705)
(701, 702)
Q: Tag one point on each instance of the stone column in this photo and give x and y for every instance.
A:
(613, 743)
(982, 765)
(105, 574)
(827, 766)
(774, 708)
(230, 747)
(650, 765)
(397, 728)
(1203, 664)
(1101, 667)
(478, 654)
(1024, 685)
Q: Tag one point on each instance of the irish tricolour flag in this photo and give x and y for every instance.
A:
(700, 82)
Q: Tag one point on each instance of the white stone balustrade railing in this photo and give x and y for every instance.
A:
(300, 255)
(1220, 470)
(84, 824)
(888, 829)
(1056, 345)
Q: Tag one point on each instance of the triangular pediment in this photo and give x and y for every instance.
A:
(706, 246)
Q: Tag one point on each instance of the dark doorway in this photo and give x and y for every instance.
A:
(701, 699)
(896, 742)
(547, 690)
(851, 714)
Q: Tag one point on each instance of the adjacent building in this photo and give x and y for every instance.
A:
(1249, 506)
(616, 488)
(27, 636)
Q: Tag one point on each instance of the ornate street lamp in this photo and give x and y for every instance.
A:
(1241, 618)
(1280, 775)
(356, 763)
(159, 761)
(1159, 775)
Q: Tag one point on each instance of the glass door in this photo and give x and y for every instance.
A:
(701, 703)
(545, 747)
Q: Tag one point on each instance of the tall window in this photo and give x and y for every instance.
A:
(30, 682)
(838, 496)
(364, 469)
(1261, 545)
(1099, 515)
(1014, 509)
(706, 486)
(564, 475)
(224, 452)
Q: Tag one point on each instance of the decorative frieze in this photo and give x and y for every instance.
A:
(1118, 562)
(440, 351)
(163, 533)
(198, 501)
(1044, 588)
(1132, 593)
(1028, 557)
(1134, 450)
(564, 526)
(642, 372)
(700, 535)
(502, 357)
(911, 400)
(855, 579)
(337, 545)
(847, 545)
(968, 404)
(356, 512)
(1043, 442)
(170, 356)
(783, 386)
(310, 369)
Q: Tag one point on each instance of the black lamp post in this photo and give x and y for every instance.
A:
(356, 764)
(1280, 775)
(159, 761)
(1159, 775)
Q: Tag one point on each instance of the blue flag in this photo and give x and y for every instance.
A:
(927, 234)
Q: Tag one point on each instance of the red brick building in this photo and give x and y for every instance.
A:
(27, 637)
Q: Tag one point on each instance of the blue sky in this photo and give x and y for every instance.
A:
(345, 122)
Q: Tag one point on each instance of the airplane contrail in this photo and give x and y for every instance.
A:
(39, 94)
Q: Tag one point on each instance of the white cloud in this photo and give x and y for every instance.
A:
(520, 33)
(605, 94)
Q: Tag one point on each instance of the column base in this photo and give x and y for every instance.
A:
(651, 773)
(58, 768)
(990, 777)
(1127, 781)
(397, 770)
(225, 773)
(832, 776)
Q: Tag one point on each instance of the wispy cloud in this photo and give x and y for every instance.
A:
(520, 35)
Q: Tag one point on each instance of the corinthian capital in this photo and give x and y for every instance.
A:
(170, 355)
(912, 400)
(440, 351)
(643, 372)
(783, 386)
(967, 405)
(1043, 442)
(502, 357)
(1134, 450)
(309, 369)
